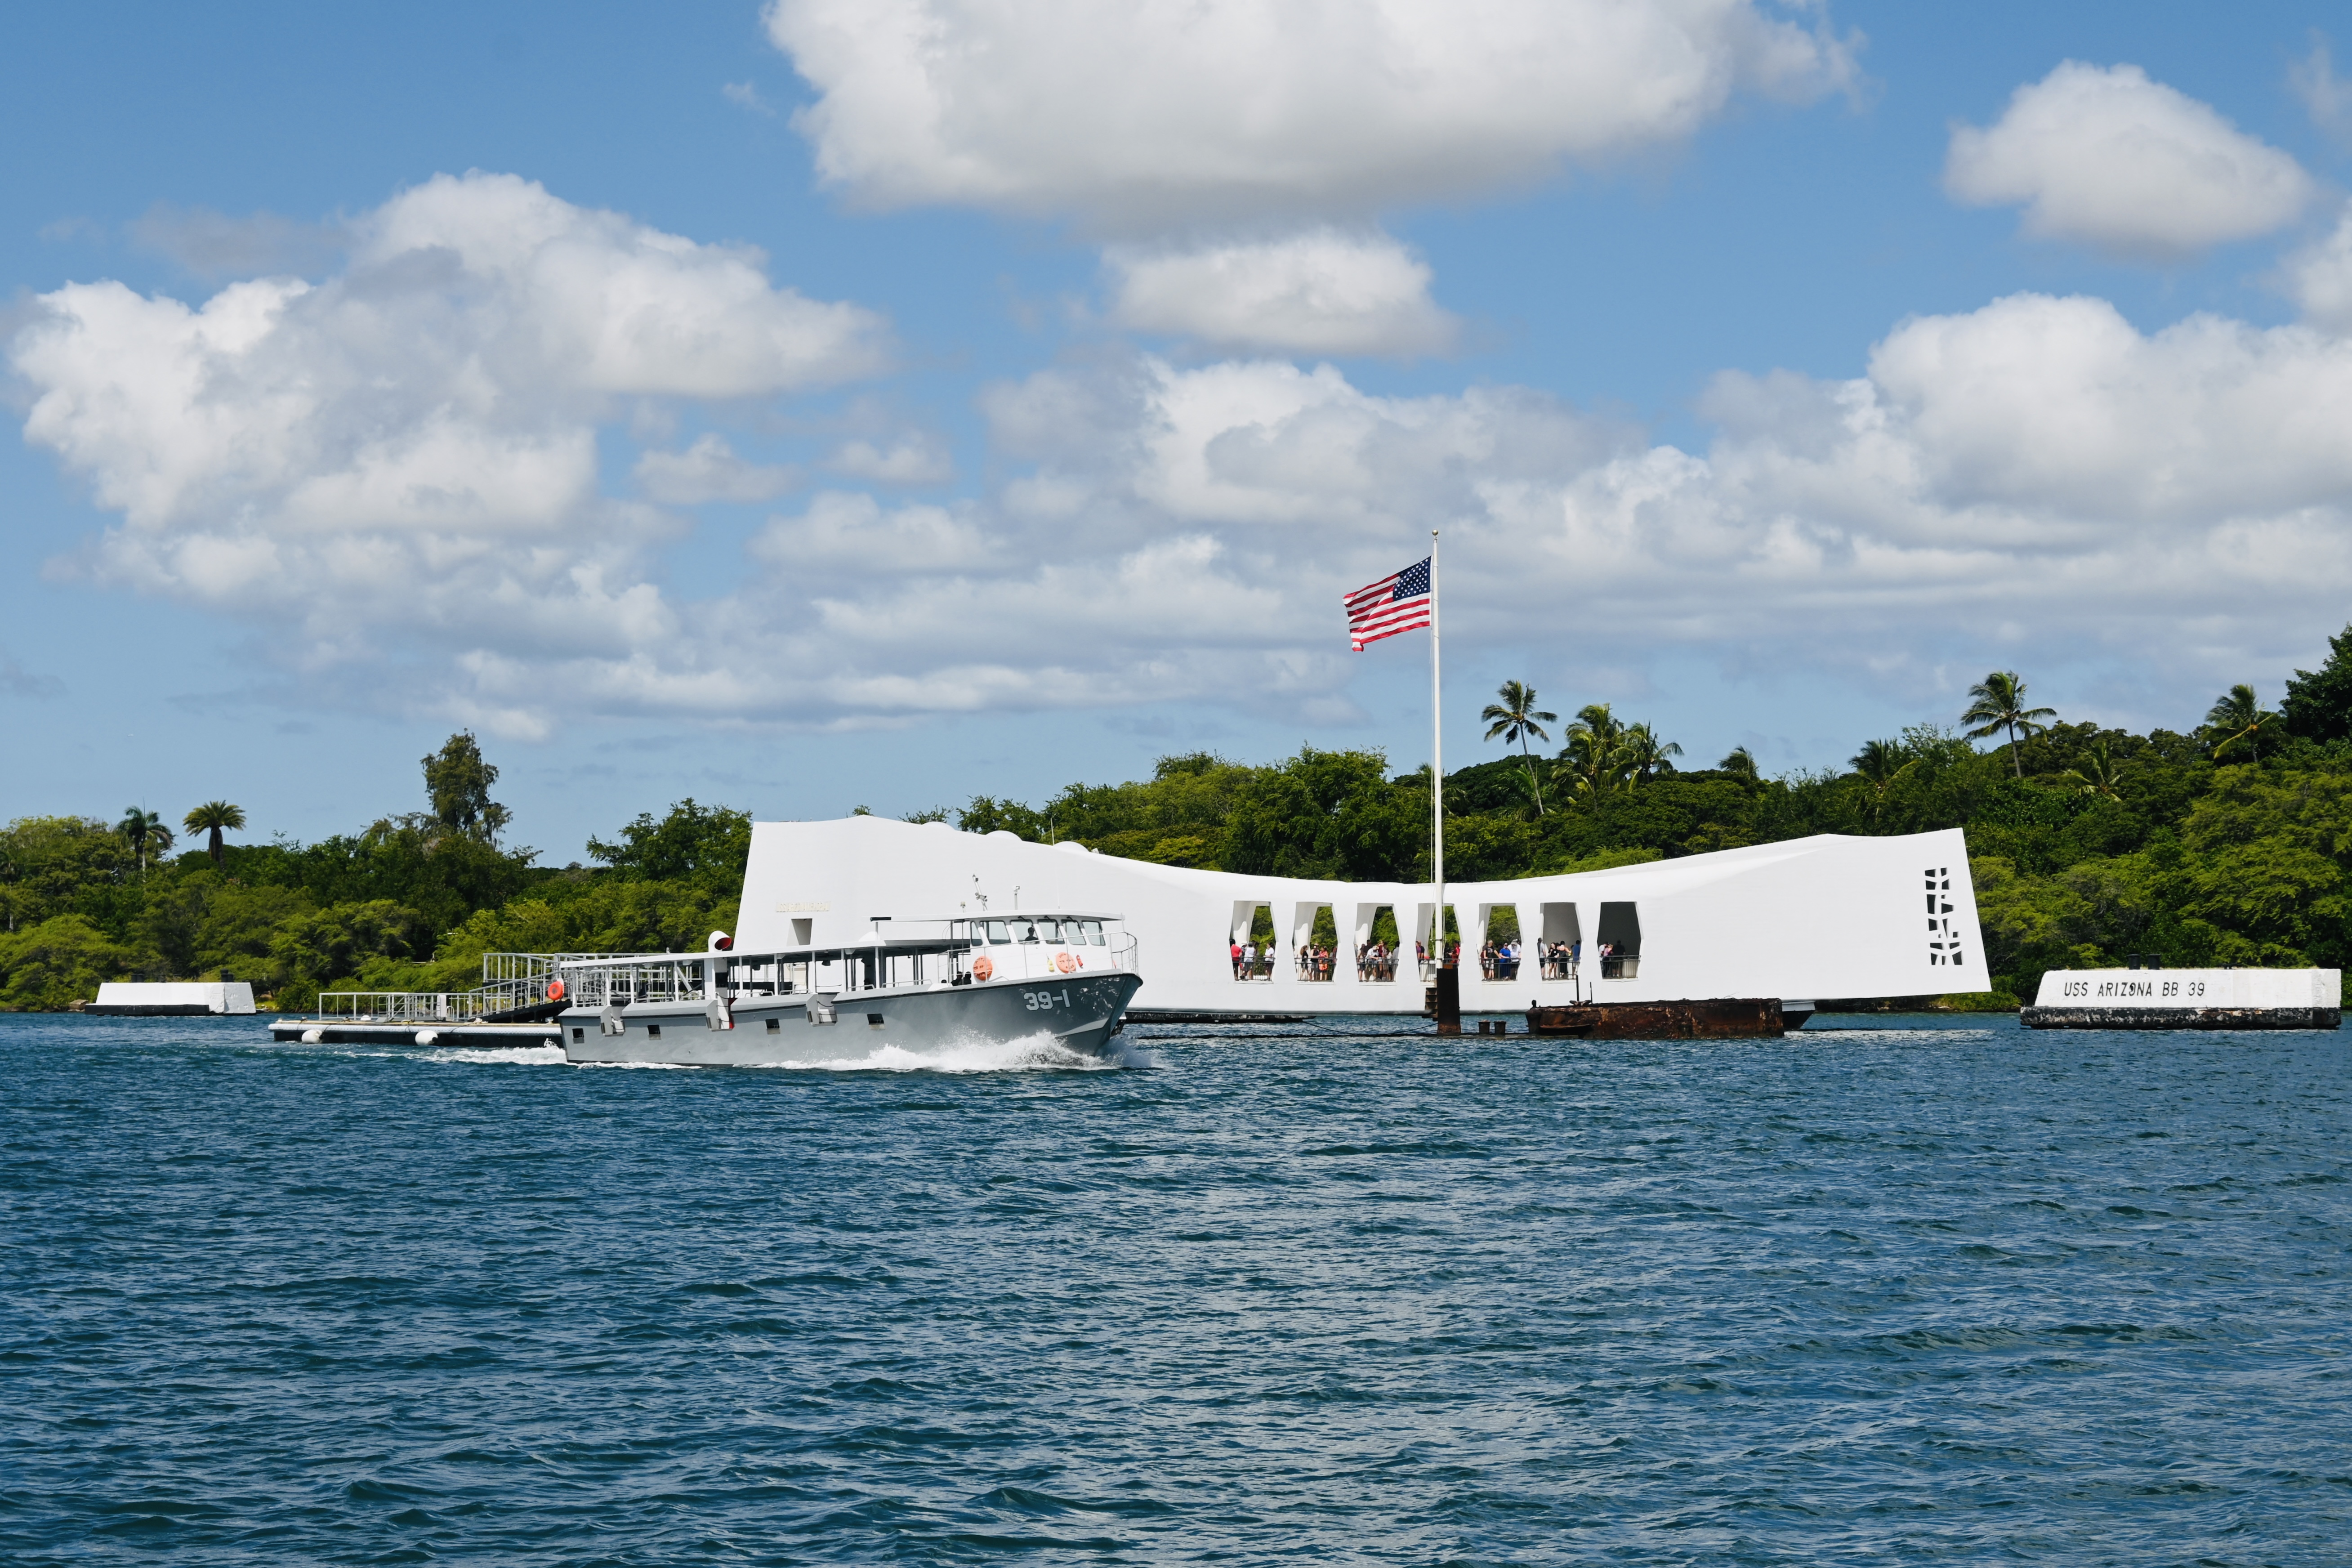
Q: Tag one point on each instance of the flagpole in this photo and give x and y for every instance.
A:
(1436, 766)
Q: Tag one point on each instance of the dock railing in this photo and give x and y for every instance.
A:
(511, 983)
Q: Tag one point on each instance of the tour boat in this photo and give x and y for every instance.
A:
(1061, 978)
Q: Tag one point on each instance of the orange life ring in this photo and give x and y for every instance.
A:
(982, 967)
(555, 990)
(1066, 963)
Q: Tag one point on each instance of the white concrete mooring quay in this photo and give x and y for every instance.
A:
(2188, 999)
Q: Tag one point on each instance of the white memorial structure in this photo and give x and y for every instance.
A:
(1810, 917)
(172, 998)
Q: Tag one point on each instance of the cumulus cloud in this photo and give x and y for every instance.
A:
(1325, 291)
(2320, 277)
(844, 528)
(709, 471)
(403, 461)
(915, 458)
(2326, 95)
(1136, 115)
(411, 444)
(2110, 159)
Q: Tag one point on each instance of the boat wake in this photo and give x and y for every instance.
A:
(1040, 1052)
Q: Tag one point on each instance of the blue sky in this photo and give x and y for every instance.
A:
(637, 388)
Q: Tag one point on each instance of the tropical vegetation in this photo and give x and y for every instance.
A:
(2228, 843)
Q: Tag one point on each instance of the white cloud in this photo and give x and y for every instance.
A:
(709, 471)
(744, 95)
(912, 460)
(1135, 114)
(2320, 277)
(2110, 159)
(410, 447)
(403, 461)
(1324, 291)
(845, 530)
(2327, 96)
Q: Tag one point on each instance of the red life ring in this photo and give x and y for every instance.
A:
(1066, 963)
(555, 990)
(982, 967)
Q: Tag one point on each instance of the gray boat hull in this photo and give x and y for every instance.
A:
(1081, 1013)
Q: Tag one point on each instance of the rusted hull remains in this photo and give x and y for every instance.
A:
(1718, 1018)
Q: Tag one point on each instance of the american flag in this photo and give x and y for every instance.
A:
(1395, 604)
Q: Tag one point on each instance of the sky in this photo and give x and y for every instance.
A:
(839, 402)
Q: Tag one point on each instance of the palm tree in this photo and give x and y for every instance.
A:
(1590, 763)
(1739, 763)
(1516, 718)
(2236, 717)
(1997, 703)
(144, 829)
(212, 817)
(2096, 774)
(1880, 763)
(1643, 755)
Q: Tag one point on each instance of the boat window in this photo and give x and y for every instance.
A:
(1053, 929)
(1024, 930)
(997, 930)
(1092, 932)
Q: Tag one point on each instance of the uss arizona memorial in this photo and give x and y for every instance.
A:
(1809, 917)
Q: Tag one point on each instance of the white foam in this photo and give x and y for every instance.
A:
(1040, 1052)
(532, 1054)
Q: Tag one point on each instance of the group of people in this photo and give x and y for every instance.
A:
(1499, 960)
(1560, 959)
(1378, 960)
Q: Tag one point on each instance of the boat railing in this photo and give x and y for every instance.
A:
(1622, 966)
(608, 980)
(597, 981)
(512, 982)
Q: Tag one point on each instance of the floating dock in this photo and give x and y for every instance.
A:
(396, 1032)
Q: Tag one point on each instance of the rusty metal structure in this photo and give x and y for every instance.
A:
(1716, 1018)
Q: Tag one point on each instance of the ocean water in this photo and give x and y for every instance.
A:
(1902, 1290)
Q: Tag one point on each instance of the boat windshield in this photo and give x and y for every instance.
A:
(1044, 929)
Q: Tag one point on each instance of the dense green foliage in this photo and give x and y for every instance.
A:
(409, 902)
(2230, 846)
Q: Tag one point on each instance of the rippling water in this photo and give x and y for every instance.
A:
(1880, 1294)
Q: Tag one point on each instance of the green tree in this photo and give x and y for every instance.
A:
(2235, 720)
(1642, 755)
(144, 829)
(458, 781)
(1879, 764)
(1740, 762)
(51, 866)
(213, 818)
(331, 944)
(693, 843)
(63, 960)
(1997, 703)
(2096, 773)
(2318, 705)
(1590, 764)
(1516, 718)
